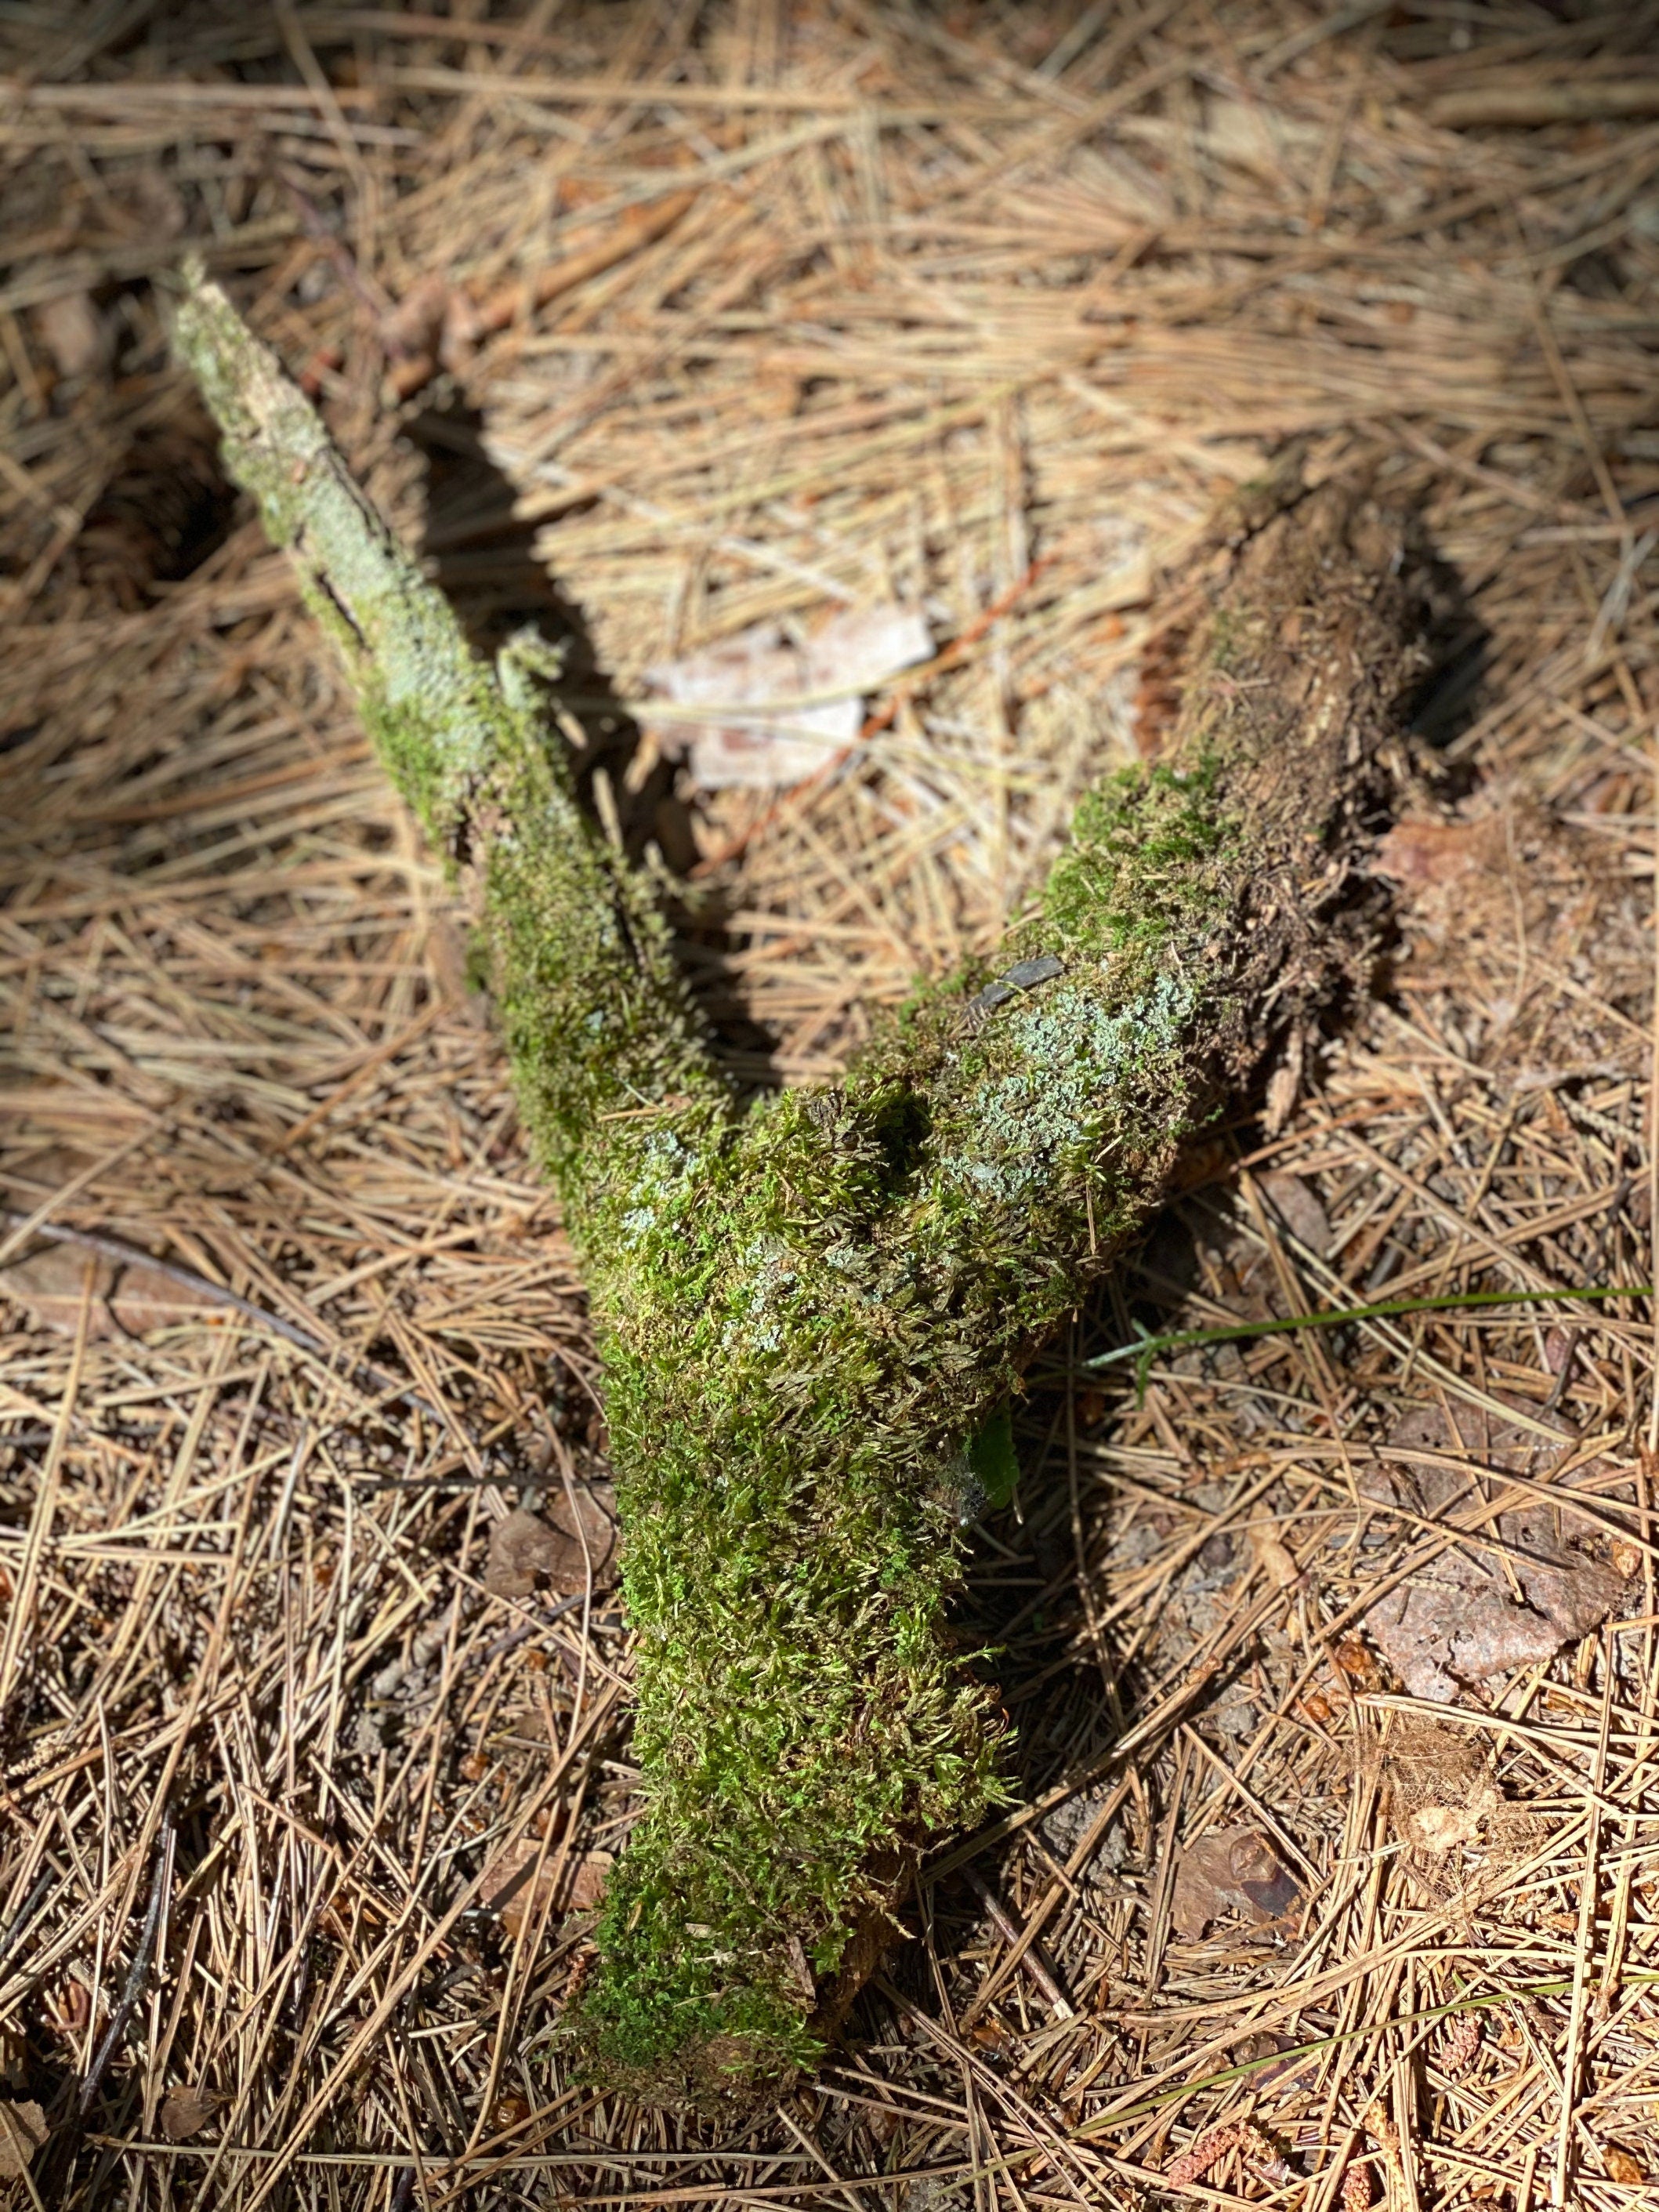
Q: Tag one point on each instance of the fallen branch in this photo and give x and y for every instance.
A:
(813, 1315)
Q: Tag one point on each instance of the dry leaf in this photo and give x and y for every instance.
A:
(127, 1300)
(579, 1886)
(1425, 854)
(763, 668)
(23, 2132)
(1271, 1554)
(1448, 1827)
(1623, 2165)
(525, 1547)
(1297, 1206)
(1471, 1614)
(74, 334)
(1230, 1872)
(184, 2111)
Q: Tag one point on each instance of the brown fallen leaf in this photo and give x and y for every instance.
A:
(578, 1888)
(1271, 1553)
(128, 1299)
(74, 334)
(525, 1547)
(1297, 1206)
(1623, 2165)
(1231, 1873)
(184, 2111)
(1471, 1614)
(23, 2132)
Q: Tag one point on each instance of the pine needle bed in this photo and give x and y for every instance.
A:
(1018, 342)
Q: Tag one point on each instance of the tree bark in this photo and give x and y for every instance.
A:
(813, 1315)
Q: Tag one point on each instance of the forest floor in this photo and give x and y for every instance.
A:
(1332, 1873)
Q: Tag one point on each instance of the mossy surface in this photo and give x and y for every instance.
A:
(807, 1311)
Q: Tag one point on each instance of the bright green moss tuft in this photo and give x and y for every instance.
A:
(1141, 844)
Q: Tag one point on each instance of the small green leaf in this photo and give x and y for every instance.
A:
(991, 1455)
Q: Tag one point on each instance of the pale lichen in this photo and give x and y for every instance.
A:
(813, 1315)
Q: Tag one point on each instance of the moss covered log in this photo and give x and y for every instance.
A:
(808, 1311)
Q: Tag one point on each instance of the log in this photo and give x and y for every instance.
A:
(814, 1314)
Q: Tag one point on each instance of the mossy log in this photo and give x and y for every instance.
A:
(810, 1309)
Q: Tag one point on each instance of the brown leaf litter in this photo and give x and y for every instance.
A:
(513, 1887)
(569, 1545)
(22, 2130)
(128, 1299)
(184, 2111)
(1512, 1588)
(1232, 1873)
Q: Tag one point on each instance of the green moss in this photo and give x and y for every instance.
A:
(1141, 844)
(808, 1313)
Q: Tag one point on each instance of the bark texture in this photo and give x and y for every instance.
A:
(813, 1315)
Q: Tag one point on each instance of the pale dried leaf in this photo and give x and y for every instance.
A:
(128, 1299)
(1446, 1828)
(1231, 1873)
(764, 668)
(74, 334)
(23, 2132)
(184, 2111)
(1271, 1554)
